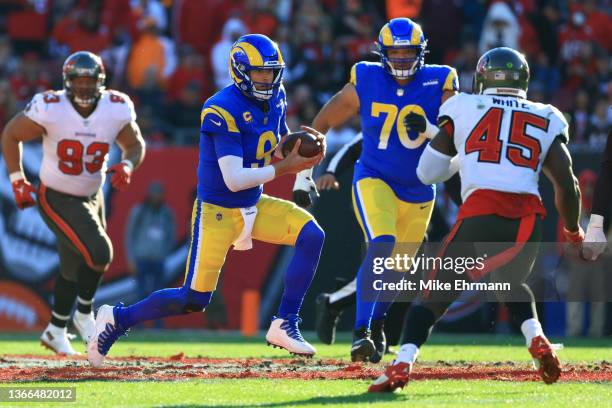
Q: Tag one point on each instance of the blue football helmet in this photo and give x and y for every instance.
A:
(256, 51)
(401, 33)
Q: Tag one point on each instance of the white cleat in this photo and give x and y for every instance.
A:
(284, 333)
(85, 325)
(57, 340)
(105, 335)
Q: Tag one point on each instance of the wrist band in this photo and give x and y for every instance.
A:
(128, 163)
(16, 176)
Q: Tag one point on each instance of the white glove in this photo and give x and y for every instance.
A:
(595, 241)
(302, 188)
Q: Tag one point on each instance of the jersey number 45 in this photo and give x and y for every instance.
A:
(485, 138)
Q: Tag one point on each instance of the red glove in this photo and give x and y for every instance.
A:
(121, 174)
(575, 237)
(23, 191)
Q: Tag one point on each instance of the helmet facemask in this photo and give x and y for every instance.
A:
(83, 64)
(84, 96)
(402, 67)
(265, 90)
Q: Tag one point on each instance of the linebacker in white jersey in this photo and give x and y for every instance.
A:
(501, 143)
(78, 125)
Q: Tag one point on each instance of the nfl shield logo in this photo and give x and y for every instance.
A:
(219, 216)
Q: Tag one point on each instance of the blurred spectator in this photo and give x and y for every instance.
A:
(586, 280)
(546, 25)
(152, 127)
(600, 124)
(29, 79)
(260, 17)
(81, 30)
(544, 76)
(7, 103)
(119, 17)
(199, 22)
(599, 22)
(27, 24)
(152, 9)
(232, 30)
(464, 64)
(403, 8)
(187, 88)
(580, 118)
(152, 56)
(8, 61)
(441, 38)
(501, 28)
(149, 238)
(151, 61)
(574, 37)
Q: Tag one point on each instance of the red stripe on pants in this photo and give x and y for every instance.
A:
(63, 226)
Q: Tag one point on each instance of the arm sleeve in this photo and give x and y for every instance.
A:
(603, 188)
(434, 167)
(238, 178)
(346, 156)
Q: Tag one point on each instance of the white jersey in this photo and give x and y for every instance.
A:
(501, 141)
(75, 149)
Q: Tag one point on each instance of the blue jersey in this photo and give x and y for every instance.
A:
(233, 124)
(390, 153)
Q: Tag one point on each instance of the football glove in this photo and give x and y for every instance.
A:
(302, 188)
(419, 123)
(121, 175)
(595, 241)
(24, 192)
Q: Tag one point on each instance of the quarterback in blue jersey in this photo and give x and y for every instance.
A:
(397, 100)
(241, 126)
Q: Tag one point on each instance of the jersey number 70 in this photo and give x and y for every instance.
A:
(484, 138)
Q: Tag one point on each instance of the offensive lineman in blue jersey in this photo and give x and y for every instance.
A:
(241, 127)
(397, 100)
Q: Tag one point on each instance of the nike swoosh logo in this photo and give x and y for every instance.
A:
(424, 206)
(218, 124)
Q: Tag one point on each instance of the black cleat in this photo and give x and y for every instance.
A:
(363, 346)
(378, 337)
(326, 319)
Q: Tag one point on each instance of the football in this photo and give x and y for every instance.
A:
(310, 146)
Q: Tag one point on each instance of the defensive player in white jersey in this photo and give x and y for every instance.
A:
(78, 125)
(502, 142)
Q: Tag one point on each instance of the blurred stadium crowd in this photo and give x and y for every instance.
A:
(170, 55)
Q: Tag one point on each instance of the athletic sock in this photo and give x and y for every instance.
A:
(531, 328)
(301, 269)
(160, 304)
(63, 299)
(407, 354)
(87, 284)
(379, 247)
(419, 322)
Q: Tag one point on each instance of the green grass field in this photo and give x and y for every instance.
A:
(300, 393)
